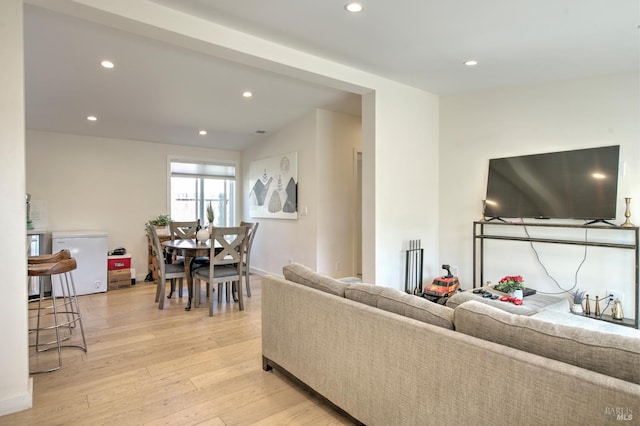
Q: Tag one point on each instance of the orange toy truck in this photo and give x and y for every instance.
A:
(442, 287)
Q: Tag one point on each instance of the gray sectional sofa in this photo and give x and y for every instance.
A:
(389, 358)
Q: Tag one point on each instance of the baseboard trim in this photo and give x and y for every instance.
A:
(18, 403)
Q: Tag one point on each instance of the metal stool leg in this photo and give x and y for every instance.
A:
(75, 309)
(39, 346)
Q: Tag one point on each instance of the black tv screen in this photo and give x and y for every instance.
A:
(578, 184)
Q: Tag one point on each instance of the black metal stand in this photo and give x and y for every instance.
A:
(479, 236)
(496, 218)
(599, 221)
(413, 272)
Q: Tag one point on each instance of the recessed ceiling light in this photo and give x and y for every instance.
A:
(107, 64)
(202, 132)
(92, 118)
(471, 63)
(353, 7)
(247, 94)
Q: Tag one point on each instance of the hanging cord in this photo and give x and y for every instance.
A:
(575, 280)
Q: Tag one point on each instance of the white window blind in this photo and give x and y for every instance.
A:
(205, 170)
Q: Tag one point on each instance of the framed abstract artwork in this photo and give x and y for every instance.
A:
(273, 190)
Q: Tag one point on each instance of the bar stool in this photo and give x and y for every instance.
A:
(62, 315)
(50, 258)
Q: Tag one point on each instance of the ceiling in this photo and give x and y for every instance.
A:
(163, 93)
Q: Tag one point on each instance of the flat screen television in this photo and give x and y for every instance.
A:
(578, 184)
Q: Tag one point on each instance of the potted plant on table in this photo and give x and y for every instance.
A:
(513, 285)
(578, 297)
(160, 222)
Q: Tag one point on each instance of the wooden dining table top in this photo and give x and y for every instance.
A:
(190, 244)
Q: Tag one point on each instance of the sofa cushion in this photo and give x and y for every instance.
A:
(306, 276)
(611, 354)
(364, 293)
(398, 302)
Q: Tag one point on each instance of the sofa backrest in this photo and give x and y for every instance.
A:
(398, 302)
(304, 275)
(611, 354)
(385, 298)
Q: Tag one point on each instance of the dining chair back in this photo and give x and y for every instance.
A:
(166, 271)
(186, 230)
(225, 265)
(183, 230)
(252, 228)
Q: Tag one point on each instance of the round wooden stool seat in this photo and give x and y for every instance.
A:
(61, 267)
(49, 258)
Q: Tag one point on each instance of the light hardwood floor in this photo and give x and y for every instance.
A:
(146, 366)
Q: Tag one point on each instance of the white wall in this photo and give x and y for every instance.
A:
(111, 185)
(15, 392)
(338, 138)
(406, 176)
(550, 117)
(400, 189)
(324, 142)
(280, 240)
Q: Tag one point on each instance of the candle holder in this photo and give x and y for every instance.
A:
(627, 214)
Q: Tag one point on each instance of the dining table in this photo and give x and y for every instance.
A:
(189, 249)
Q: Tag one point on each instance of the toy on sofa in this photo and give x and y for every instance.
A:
(442, 287)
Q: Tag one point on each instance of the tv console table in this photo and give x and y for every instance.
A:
(480, 235)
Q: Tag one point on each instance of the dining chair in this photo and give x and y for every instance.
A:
(183, 230)
(252, 228)
(166, 271)
(225, 264)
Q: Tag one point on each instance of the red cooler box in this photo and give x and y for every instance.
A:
(118, 262)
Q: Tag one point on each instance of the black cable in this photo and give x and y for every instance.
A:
(575, 281)
(605, 308)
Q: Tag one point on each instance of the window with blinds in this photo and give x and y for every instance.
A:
(196, 185)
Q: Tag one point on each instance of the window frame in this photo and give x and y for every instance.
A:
(214, 161)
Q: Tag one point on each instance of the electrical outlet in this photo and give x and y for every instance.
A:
(617, 294)
(290, 261)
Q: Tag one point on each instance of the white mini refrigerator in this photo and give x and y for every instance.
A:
(89, 248)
